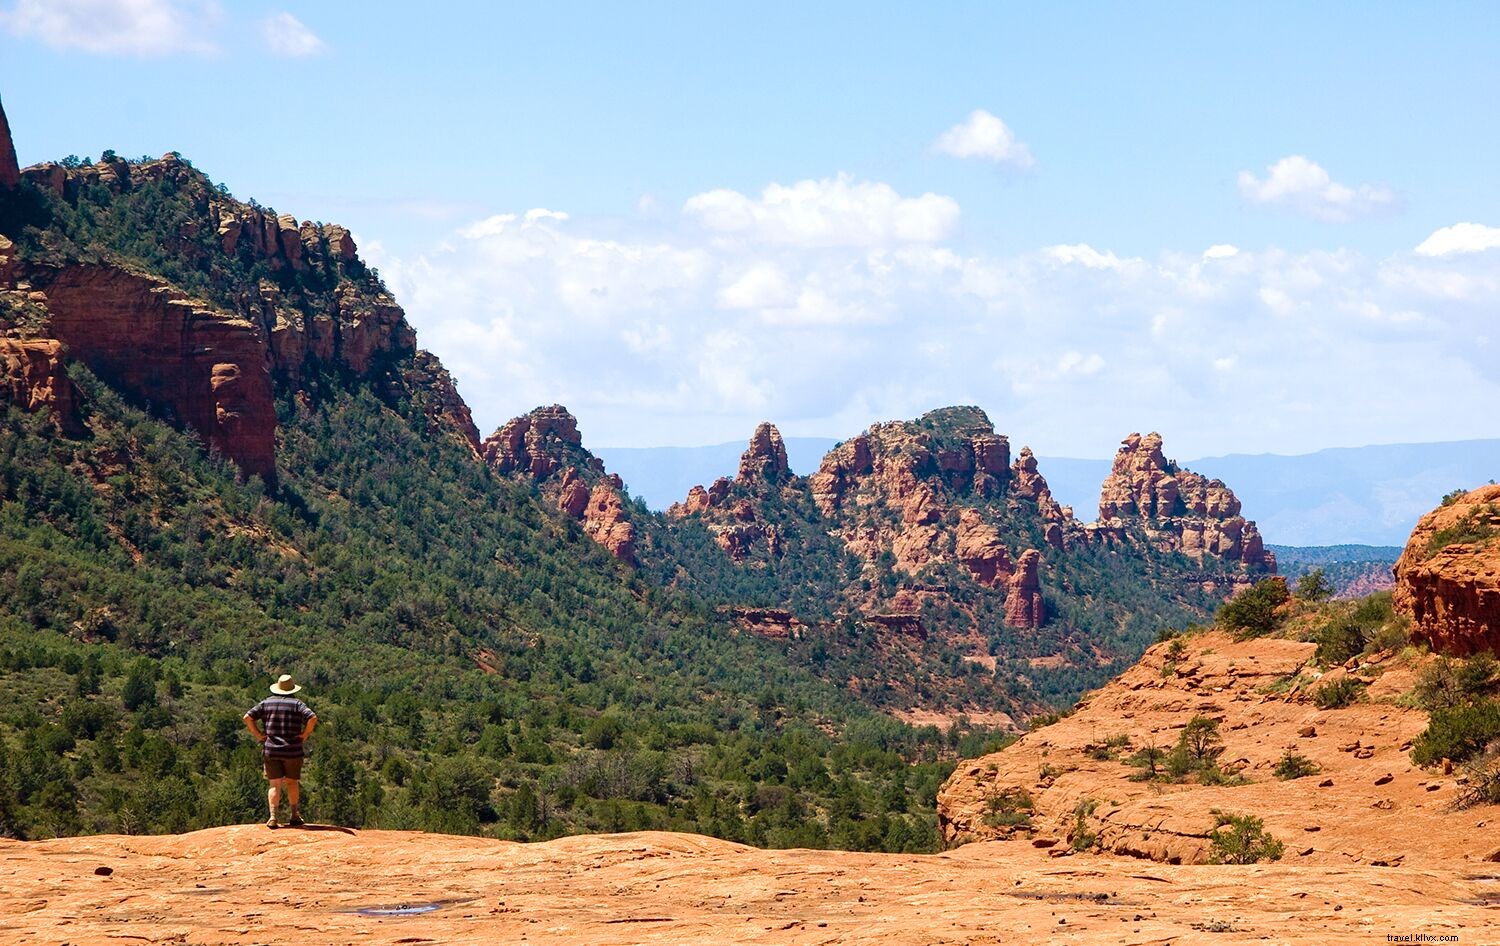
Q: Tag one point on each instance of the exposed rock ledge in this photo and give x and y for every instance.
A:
(249, 885)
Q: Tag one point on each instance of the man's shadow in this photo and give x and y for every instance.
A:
(316, 827)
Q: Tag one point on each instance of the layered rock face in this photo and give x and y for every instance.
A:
(1448, 576)
(33, 376)
(892, 488)
(10, 170)
(1180, 510)
(209, 368)
(545, 447)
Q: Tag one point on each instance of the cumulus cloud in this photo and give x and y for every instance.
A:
(690, 332)
(984, 136)
(1303, 186)
(835, 211)
(1460, 238)
(288, 36)
(129, 27)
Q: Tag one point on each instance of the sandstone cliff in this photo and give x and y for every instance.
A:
(260, 300)
(545, 447)
(33, 376)
(1448, 577)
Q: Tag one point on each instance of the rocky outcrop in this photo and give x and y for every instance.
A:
(764, 464)
(736, 511)
(605, 521)
(1024, 607)
(33, 376)
(538, 444)
(444, 405)
(659, 887)
(1368, 803)
(1179, 510)
(979, 547)
(209, 369)
(545, 447)
(1448, 576)
(10, 170)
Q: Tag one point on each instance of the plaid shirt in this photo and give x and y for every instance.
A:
(282, 719)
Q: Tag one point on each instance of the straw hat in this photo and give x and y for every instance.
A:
(284, 686)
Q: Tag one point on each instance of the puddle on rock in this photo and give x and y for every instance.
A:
(407, 909)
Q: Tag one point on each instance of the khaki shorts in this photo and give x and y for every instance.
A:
(284, 768)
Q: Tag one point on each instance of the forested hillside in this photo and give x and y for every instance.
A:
(477, 662)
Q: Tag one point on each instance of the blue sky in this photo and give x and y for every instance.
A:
(1087, 218)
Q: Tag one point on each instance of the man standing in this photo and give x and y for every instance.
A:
(285, 724)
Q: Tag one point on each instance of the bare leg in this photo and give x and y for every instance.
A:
(273, 794)
(293, 790)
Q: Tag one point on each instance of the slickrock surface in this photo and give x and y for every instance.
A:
(246, 885)
(1451, 589)
(1369, 804)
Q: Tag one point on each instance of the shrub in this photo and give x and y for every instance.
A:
(1339, 640)
(1252, 612)
(1483, 785)
(1476, 526)
(1338, 694)
(1447, 682)
(1458, 733)
(1293, 766)
(1009, 808)
(1242, 839)
(1080, 837)
(1314, 586)
(1200, 739)
(1149, 759)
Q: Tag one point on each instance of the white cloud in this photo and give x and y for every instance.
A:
(1302, 185)
(288, 36)
(131, 27)
(1084, 255)
(761, 286)
(1221, 251)
(1460, 238)
(836, 211)
(673, 332)
(984, 136)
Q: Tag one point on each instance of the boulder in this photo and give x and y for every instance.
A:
(1448, 576)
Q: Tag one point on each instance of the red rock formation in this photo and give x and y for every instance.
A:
(546, 447)
(732, 517)
(1178, 509)
(764, 462)
(604, 520)
(32, 376)
(1023, 593)
(978, 547)
(209, 368)
(537, 444)
(7, 262)
(10, 170)
(1448, 576)
(447, 408)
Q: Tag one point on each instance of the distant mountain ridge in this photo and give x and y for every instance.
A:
(1369, 495)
